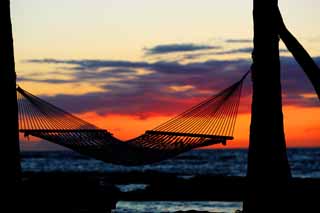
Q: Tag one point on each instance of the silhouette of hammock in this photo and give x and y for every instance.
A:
(209, 122)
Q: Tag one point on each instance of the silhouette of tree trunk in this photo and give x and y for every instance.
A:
(268, 169)
(10, 153)
(300, 54)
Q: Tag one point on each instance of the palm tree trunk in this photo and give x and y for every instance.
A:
(10, 153)
(268, 169)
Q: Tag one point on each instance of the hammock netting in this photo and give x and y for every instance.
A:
(209, 122)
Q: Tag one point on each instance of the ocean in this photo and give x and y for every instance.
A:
(304, 163)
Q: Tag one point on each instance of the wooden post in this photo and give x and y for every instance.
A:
(268, 169)
(10, 153)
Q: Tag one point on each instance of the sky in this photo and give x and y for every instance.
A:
(128, 65)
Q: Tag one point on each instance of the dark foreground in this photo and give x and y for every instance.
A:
(97, 192)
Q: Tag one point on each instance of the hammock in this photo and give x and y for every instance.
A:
(209, 122)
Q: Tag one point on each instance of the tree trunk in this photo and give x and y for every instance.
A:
(10, 154)
(300, 54)
(268, 169)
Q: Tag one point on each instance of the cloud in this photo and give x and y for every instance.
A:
(98, 67)
(45, 80)
(131, 92)
(90, 64)
(144, 89)
(235, 51)
(174, 48)
(295, 84)
(238, 41)
(85, 75)
(242, 50)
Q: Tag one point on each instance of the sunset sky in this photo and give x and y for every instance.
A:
(128, 65)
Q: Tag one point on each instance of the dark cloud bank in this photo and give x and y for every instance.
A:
(175, 48)
(142, 95)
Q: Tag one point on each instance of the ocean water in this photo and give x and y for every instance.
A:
(304, 163)
(173, 206)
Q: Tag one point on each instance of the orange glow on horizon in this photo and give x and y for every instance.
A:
(124, 127)
(301, 126)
